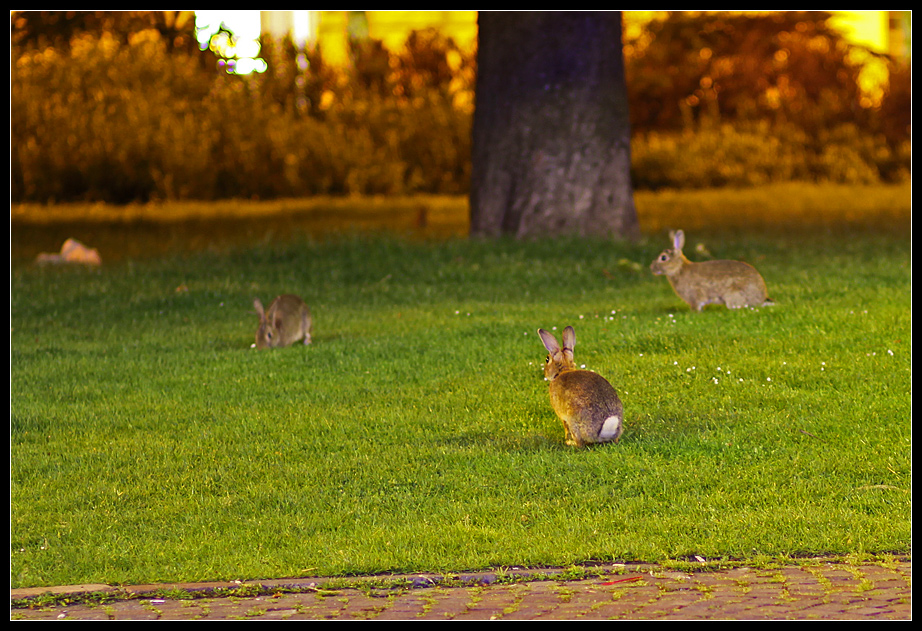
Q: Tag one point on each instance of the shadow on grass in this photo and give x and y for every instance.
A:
(510, 442)
(793, 210)
(118, 239)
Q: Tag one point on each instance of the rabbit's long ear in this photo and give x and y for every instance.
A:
(259, 309)
(550, 342)
(678, 239)
(569, 339)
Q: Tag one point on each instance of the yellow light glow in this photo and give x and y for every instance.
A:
(865, 28)
(243, 49)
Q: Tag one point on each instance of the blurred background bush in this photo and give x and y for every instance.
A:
(129, 109)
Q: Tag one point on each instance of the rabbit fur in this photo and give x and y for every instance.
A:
(584, 401)
(286, 321)
(732, 283)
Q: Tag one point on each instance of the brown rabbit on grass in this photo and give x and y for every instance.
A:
(732, 283)
(287, 321)
(586, 403)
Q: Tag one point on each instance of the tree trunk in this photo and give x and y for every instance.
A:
(551, 133)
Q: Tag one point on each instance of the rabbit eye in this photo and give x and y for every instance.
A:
(663, 257)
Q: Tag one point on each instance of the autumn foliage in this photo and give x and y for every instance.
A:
(134, 112)
(745, 100)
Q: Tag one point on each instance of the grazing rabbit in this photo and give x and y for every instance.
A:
(586, 403)
(733, 283)
(286, 321)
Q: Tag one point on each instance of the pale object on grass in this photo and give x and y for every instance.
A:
(71, 252)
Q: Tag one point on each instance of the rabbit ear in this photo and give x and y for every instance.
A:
(550, 342)
(259, 308)
(678, 239)
(569, 338)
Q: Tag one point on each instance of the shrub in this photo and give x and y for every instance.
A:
(718, 98)
(102, 121)
(760, 153)
(133, 119)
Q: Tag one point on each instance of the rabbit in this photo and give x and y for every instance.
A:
(732, 283)
(287, 321)
(586, 403)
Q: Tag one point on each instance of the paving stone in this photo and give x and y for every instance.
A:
(812, 592)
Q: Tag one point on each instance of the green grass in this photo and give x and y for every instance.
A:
(150, 443)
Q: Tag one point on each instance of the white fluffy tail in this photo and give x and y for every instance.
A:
(611, 429)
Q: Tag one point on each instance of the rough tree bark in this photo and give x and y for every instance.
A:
(551, 133)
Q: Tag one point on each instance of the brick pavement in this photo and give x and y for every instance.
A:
(810, 591)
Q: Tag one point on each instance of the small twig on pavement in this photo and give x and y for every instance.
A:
(623, 580)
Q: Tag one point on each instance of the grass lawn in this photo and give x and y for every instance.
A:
(150, 443)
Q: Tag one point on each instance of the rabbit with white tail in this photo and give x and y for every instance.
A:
(586, 403)
(286, 321)
(732, 283)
